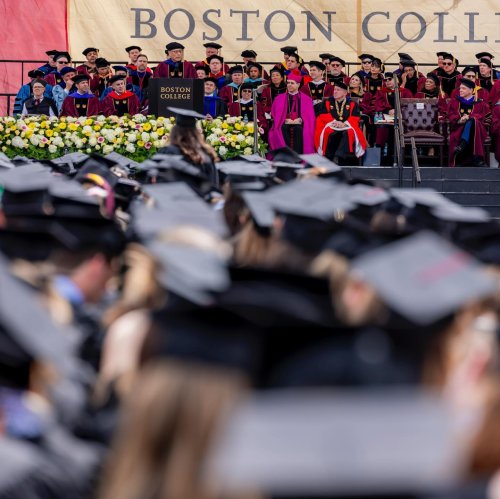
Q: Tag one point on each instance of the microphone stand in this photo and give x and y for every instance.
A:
(398, 138)
(255, 123)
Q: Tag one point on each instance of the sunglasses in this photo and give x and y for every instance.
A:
(447, 64)
(366, 62)
(335, 64)
(62, 62)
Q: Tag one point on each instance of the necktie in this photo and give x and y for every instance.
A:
(37, 102)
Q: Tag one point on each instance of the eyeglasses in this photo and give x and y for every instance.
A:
(447, 64)
(62, 62)
(366, 62)
(335, 64)
(38, 87)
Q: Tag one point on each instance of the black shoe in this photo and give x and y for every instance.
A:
(462, 146)
(478, 161)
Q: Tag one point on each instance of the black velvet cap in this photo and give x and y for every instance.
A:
(173, 46)
(249, 53)
(132, 47)
(90, 49)
(212, 45)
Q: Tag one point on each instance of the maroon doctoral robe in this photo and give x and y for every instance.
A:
(495, 130)
(382, 104)
(495, 93)
(479, 112)
(238, 109)
(114, 104)
(98, 84)
(270, 93)
(164, 70)
(317, 92)
(69, 107)
(85, 70)
(229, 94)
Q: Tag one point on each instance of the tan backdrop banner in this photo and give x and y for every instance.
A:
(345, 28)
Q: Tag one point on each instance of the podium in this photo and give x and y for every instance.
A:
(185, 93)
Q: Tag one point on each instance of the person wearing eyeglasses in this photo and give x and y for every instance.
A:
(439, 56)
(469, 73)
(174, 66)
(336, 73)
(62, 59)
(26, 91)
(448, 74)
(246, 105)
(366, 64)
(410, 78)
(468, 133)
(50, 65)
(486, 74)
(38, 103)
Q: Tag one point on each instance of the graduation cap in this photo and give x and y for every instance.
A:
(441, 54)
(189, 272)
(116, 78)
(254, 65)
(90, 49)
(185, 117)
(212, 45)
(81, 77)
(62, 54)
(487, 61)
(468, 83)
(36, 73)
(249, 53)
(326, 56)
(469, 69)
(337, 59)
(173, 46)
(404, 57)
(66, 70)
(120, 68)
(289, 50)
(260, 210)
(318, 65)
(27, 333)
(203, 67)
(236, 69)
(215, 56)
(434, 77)
(448, 56)
(133, 47)
(324, 167)
(408, 64)
(369, 57)
(285, 154)
(100, 62)
(245, 175)
(423, 277)
(52, 52)
(277, 69)
(480, 55)
(298, 443)
(210, 78)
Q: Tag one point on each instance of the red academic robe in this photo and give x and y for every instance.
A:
(442, 103)
(495, 130)
(163, 70)
(108, 107)
(479, 112)
(95, 82)
(228, 94)
(85, 70)
(53, 79)
(495, 93)
(69, 107)
(205, 63)
(311, 90)
(234, 109)
(279, 111)
(266, 97)
(323, 130)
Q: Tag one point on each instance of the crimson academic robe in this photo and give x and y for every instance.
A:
(86, 70)
(205, 63)
(141, 80)
(229, 94)
(71, 106)
(238, 109)
(479, 111)
(279, 111)
(495, 130)
(165, 70)
(482, 94)
(98, 84)
(324, 132)
(495, 93)
(448, 81)
(317, 92)
(441, 103)
(118, 105)
(383, 103)
(341, 77)
(269, 94)
(415, 85)
(53, 79)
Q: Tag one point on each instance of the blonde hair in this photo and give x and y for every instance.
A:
(170, 421)
(192, 145)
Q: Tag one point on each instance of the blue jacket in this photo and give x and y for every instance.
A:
(25, 93)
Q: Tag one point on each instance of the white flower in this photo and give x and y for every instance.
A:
(88, 150)
(250, 140)
(248, 150)
(87, 129)
(107, 149)
(101, 118)
(139, 118)
(35, 139)
(145, 136)
(131, 137)
(222, 150)
(52, 148)
(154, 136)
(79, 143)
(58, 141)
(92, 141)
(240, 137)
(130, 148)
(18, 142)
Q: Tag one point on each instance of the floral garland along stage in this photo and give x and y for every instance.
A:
(138, 137)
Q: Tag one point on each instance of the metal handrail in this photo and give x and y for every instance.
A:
(416, 178)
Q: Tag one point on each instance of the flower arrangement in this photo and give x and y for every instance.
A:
(232, 136)
(138, 137)
(40, 137)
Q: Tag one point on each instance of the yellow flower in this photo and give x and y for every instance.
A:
(73, 127)
(62, 126)
(49, 133)
(238, 126)
(234, 138)
(88, 121)
(225, 125)
(140, 143)
(147, 127)
(32, 125)
(160, 131)
(97, 128)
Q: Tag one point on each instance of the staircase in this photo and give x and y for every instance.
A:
(467, 186)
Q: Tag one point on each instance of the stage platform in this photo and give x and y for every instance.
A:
(467, 186)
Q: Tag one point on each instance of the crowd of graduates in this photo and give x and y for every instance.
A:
(187, 328)
(310, 107)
